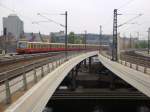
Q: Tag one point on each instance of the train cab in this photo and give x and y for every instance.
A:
(21, 46)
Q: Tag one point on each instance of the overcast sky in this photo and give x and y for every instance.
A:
(82, 15)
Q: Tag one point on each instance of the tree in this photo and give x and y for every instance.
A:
(74, 39)
(71, 38)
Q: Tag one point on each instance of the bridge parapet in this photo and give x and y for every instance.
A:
(136, 63)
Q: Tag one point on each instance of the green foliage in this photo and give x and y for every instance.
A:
(71, 38)
(74, 39)
(141, 44)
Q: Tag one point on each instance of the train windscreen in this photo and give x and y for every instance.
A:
(22, 45)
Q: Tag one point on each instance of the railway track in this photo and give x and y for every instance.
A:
(13, 73)
(135, 58)
(25, 61)
(18, 58)
(18, 69)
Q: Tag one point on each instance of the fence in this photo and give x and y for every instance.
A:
(20, 78)
(137, 63)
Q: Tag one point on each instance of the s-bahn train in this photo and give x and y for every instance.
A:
(24, 47)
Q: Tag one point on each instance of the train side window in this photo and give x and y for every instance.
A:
(52, 46)
(28, 45)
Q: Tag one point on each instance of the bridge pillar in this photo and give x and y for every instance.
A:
(90, 61)
(73, 79)
(74, 73)
(84, 63)
(112, 81)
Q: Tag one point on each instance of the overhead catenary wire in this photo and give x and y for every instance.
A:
(130, 20)
(126, 4)
(50, 20)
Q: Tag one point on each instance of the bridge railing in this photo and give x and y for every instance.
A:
(137, 63)
(24, 77)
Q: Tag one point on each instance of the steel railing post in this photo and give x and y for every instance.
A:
(8, 93)
(35, 76)
(55, 64)
(59, 62)
(145, 69)
(48, 68)
(137, 67)
(42, 71)
(52, 66)
(125, 63)
(130, 65)
(24, 80)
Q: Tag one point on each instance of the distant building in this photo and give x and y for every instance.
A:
(59, 37)
(35, 37)
(105, 39)
(14, 26)
(127, 43)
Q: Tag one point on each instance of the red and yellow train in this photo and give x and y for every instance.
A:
(24, 47)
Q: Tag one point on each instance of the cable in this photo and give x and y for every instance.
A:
(130, 20)
(51, 20)
(3, 6)
(124, 5)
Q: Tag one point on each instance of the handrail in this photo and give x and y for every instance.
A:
(4, 76)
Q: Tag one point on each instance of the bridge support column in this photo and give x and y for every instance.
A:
(85, 63)
(74, 74)
(90, 62)
(112, 81)
(73, 82)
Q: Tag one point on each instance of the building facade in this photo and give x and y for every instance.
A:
(14, 26)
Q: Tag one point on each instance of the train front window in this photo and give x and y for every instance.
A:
(22, 45)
